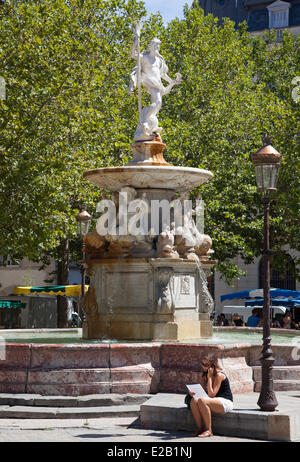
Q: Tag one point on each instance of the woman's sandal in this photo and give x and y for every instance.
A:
(197, 432)
(205, 434)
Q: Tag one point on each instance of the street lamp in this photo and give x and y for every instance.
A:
(83, 222)
(266, 164)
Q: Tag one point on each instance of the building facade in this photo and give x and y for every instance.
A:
(23, 273)
(259, 15)
(38, 311)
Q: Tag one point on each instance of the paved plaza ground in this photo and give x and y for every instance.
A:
(116, 430)
(110, 430)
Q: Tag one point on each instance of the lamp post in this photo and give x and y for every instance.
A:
(266, 164)
(83, 222)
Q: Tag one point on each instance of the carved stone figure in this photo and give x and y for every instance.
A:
(188, 239)
(165, 244)
(165, 299)
(149, 71)
(143, 247)
(185, 285)
(205, 246)
(119, 246)
(89, 303)
(94, 244)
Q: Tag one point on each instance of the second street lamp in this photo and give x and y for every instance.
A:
(266, 164)
(83, 222)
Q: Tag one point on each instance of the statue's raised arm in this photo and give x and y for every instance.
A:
(149, 72)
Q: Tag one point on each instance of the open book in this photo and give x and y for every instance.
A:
(198, 390)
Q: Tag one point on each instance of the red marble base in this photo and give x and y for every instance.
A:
(122, 368)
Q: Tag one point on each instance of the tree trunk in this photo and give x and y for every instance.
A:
(63, 279)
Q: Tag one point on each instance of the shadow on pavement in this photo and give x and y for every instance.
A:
(103, 435)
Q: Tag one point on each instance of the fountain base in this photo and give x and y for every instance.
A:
(122, 327)
(150, 299)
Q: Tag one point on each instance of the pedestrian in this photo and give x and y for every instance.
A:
(288, 322)
(222, 321)
(254, 319)
(219, 400)
(237, 321)
(261, 317)
(278, 321)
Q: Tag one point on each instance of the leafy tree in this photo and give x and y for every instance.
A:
(65, 65)
(235, 88)
(67, 110)
(277, 66)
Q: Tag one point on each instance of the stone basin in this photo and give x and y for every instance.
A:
(153, 177)
(83, 368)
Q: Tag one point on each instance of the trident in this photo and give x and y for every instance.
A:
(138, 36)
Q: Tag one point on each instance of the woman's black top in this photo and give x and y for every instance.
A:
(225, 390)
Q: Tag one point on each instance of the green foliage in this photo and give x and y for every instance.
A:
(235, 88)
(66, 66)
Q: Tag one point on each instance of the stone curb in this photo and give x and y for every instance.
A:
(167, 412)
(33, 412)
(95, 400)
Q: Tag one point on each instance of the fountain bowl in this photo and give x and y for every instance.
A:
(152, 177)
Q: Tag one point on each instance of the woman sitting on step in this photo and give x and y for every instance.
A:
(219, 400)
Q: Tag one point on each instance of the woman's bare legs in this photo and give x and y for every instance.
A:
(197, 417)
(206, 406)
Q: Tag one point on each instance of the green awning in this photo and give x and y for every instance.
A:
(70, 290)
(11, 304)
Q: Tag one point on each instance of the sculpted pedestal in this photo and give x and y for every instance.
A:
(145, 299)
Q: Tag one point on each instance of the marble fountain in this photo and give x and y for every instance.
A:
(147, 311)
(148, 283)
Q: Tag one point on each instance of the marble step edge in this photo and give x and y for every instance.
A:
(93, 400)
(33, 412)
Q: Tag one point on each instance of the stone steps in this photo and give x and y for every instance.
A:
(281, 385)
(35, 406)
(79, 381)
(96, 400)
(35, 412)
(85, 369)
(285, 378)
(279, 372)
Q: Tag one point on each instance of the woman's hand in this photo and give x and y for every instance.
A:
(210, 372)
